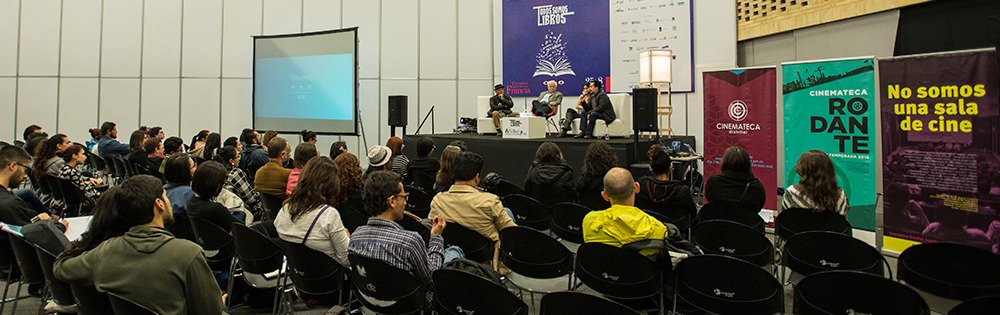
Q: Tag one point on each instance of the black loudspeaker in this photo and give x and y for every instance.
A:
(397, 110)
(644, 109)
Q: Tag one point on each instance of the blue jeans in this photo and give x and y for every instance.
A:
(587, 122)
(453, 252)
(31, 199)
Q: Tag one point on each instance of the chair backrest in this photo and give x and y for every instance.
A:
(735, 240)
(71, 194)
(528, 211)
(950, 270)
(423, 179)
(419, 202)
(90, 301)
(797, 220)
(54, 189)
(980, 305)
(574, 303)
(312, 272)
(815, 251)
(477, 247)
(534, 254)
(386, 289)
(726, 285)
(272, 204)
(109, 163)
(211, 237)
(121, 171)
(129, 167)
(550, 195)
(459, 292)
(730, 212)
(181, 228)
(123, 306)
(592, 199)
(40, 183)
(678, 215)
(352, 218)
(410, 222)
(852, 292)
(567, 221)
(617, 272)
(140, 169)
(257, 253)
(506, 187)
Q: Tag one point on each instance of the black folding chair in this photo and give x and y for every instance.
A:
(567, 223)
(551, 195)
(477, 247)
(811, 252)
(528, 211)
(575, 303)
(217, 244)
(726, 285)
(257, 255)
(419, 202)
(271, 203)
(411, 222)
(678, 215)
(352, 218)
(505, 188)
(853, 292)
(730, 212)
(594, 200)
(386, 289)
(90, 301)
(735, 240)
(623, 275)
(950, 271)
(797, 220)
(532, 255)
(121, 171)
(74, 199)
(423, 180)
(316, 276)
(29, 266)
(181, 228)
(124, 306)
(458, 292)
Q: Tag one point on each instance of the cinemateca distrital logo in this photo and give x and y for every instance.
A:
(738, 110)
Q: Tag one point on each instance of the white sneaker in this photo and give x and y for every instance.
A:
(52, 307)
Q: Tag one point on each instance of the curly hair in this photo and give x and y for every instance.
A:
(46, 150)
(350, 177)
(818, 180)
(317, 186)
(599, 159)
(659, 159)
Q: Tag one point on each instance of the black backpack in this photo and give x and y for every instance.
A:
(474, 268)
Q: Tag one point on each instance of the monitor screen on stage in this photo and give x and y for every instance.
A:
(306, 81)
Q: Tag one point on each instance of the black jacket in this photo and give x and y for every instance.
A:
(425, 167)
(670, 192)
(736, 188)
(558, 175)
(503, 105)
(603, 105)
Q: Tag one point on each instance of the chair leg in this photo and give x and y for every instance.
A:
(17, 296)
(229, 285)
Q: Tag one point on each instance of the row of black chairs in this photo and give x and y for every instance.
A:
(73, 200)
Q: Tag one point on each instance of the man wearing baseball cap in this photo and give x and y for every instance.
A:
(500, 106)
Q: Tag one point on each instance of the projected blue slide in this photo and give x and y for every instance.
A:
(312, 87)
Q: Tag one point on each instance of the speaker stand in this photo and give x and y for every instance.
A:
(425, 120)
(392, 130)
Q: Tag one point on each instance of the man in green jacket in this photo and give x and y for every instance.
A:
(147, 265)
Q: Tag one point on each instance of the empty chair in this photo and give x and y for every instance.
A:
(386, 289)
(123, 306)
(852, 292)
(528, 211)
(575, 303)
(530, 255)
(730, 212)
(551, 195)
(811, 252)
(567, 223)
(459, 292)
(979, 305)
(505, 188)
(272, 204)
(797, 220)
(318, 278)
(622, 275)
(678, 215)
(257, 256)
(726, 285)
(477, 247)
(735, 240)
(948, 273)
(419, 202)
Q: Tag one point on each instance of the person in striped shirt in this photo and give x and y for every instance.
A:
(817, 188)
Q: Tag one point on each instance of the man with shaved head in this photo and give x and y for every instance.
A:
(623, 223)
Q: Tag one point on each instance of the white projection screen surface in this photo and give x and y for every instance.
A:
(306, 81)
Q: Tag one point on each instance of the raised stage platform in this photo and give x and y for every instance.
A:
(511, 157)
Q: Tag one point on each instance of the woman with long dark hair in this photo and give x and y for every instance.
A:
(46, 160)
(735, 183)
(307, 216)
(550, 169)
(198, 144)
(207, 182)
(178, 171)
(817, 188)
(212, 143)
(599, 160)
(303, 153)
(350, 182)
(136, 154)
(238, 182)
(74, 156)
(446, 174)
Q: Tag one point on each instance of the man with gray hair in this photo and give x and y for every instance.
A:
(623, 223)
(548, 101)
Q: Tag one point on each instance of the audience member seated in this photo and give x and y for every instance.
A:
(599, 159)
(659, 189)
(212, 144)
(383, 239)
(108, 146)
(308, 136)
(272, 178)
(207, 182)
(156, 132)
(73, 157)
(253, 156)
(550, 169)
(467, 205)
(33, 141)
(623, 223)
(126, 252)
(172, 146)
(178, 173)
(500, 107)
(197, 148)
(268, 135)
(423, 165)
(817, 188)
(46, 160)
(735, 183)
(154, 156)
(399, 162)
(30, 132)
(350, 194)
(95, 137)
(446, 175)
(338, 148)
(307, 217)
(303, 153)
(136, 153)
(601, 109)
(459, 144)
(378, 157)
(233, 142)
(237, 182)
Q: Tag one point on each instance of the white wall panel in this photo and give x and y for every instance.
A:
(36, 103)
(468, 92)
(9, 12)
(161, 38)
(368, 102)
(475, 32)
(365, 14)
(160, 103)
(199, 106)
(81, 38)
(438, 39)
(441, 94)
(121, 42)
(39, 47)
(715, 35)
(282, 16)
(78, 107)
(202, 50)
(241, 19)
(320, 15)
(8, 95)
(399, 36)
(237, 113)
(119, 103)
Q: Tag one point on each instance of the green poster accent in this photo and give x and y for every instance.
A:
(830, 106)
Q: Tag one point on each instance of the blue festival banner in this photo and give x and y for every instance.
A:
(561, 40)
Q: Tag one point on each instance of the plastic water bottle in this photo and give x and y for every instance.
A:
(607, 137)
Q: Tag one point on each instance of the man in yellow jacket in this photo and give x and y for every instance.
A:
(623, 223)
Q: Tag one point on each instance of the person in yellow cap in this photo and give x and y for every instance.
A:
(622, 223)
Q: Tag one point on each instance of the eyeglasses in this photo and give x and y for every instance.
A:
(406, 196)
(26, 168)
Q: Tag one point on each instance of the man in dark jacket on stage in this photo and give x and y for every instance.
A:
(602, 109)
(500, 106)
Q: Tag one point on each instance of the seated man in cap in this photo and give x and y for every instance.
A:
(500, 106)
